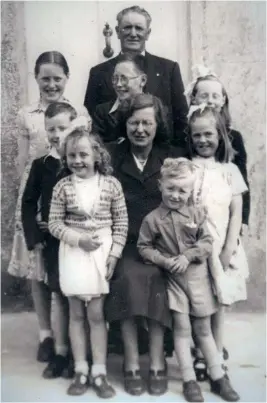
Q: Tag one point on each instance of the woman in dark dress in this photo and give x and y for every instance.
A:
(137, 291)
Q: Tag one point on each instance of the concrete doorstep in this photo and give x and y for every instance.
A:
(245, 339)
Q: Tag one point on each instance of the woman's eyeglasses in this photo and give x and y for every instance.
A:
(135, 123)
(123, 79)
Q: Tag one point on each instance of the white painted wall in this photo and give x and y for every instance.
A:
(75, 29)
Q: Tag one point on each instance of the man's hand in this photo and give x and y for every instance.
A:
(111, 264)
(89, 243)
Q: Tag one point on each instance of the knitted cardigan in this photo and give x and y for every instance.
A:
(67, 221)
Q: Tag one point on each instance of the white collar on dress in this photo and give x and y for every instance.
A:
(39, 107)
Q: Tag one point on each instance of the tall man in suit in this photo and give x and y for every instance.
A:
(163, 76)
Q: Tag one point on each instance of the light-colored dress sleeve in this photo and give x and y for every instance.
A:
(23, 141)
(22, 125)
(238, 184)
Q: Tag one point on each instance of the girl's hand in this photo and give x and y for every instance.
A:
(43, 225)
(89, 243)
(225, 257)
(111, 264)
(181, 264)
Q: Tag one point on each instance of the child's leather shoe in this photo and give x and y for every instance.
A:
(79, 385)
(46, 351)
(192, 392)
(223, 388)
(55, 367)
(101, 386)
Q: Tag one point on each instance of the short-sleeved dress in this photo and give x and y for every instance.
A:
(31, 122)
(215, 186)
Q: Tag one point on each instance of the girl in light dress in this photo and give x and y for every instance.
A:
(88, 215)
(219, 188)
(51, 74)
(207, 88)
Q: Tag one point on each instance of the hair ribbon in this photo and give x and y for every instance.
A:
(198, 71)
(193, 108)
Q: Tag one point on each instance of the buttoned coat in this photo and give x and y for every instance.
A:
(163, 80)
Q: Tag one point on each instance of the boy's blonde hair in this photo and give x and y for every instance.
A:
(179, 168)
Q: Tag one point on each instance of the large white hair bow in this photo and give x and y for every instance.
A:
(194, 108)
(198, 71)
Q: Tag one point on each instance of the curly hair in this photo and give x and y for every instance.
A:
(102, 157)
(225, 151)
(225, 113)
(142, 101)
(180, 168)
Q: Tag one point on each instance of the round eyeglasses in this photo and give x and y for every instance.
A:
(123, 79)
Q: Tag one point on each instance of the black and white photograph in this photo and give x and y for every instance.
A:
(133, 201)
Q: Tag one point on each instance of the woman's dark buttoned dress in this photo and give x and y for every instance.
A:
(138, 289)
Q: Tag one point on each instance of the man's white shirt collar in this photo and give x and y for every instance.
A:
(115, 106)
(142, 53)
(53, 153)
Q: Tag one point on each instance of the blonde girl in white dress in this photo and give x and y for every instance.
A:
(51, 74)
(219, 188)
(88, 215)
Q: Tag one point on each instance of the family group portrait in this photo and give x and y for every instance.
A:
(133, 201)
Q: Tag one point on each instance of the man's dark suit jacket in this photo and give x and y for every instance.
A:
(106, 124)
(163, 80)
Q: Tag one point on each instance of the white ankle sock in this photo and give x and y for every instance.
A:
(61, 350)
(98, 369)
(82, 366)
(43, 334)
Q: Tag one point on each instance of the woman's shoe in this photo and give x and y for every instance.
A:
(46, 351)
(133, 383)
(102, 388)
(157, 382)
(79, 385)
(223, 388)
(55, 367)
(200, 369)
(192, 392)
